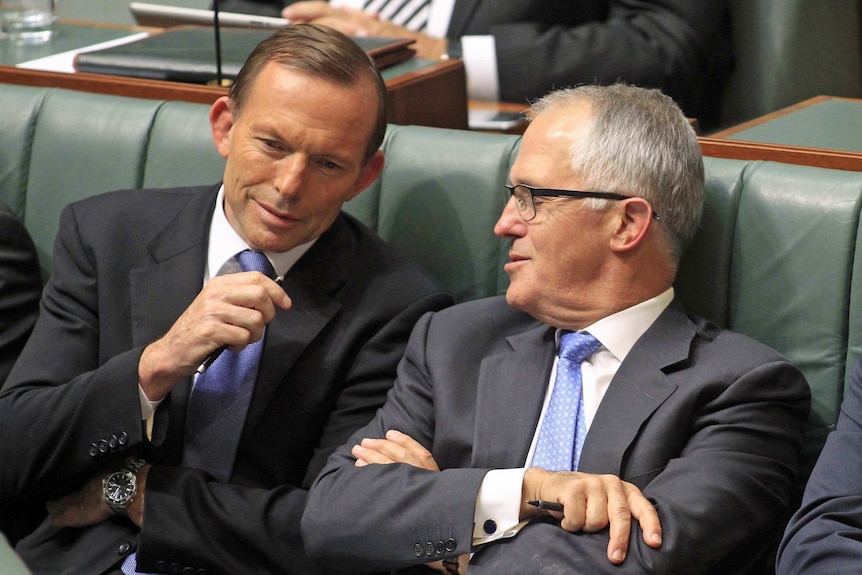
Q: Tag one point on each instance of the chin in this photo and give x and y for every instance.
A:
(517, 299)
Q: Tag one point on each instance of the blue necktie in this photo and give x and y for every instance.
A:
(220, 398)
(219, 402)
(564, 428)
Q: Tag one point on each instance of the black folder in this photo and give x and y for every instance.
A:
(187, 54)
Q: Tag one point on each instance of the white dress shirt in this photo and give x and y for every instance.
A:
(499, 500)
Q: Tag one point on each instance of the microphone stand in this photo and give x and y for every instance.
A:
(217, 30)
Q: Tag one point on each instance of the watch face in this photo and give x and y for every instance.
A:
(120, 487)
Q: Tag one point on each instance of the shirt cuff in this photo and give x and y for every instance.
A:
(498, 506)
(480, 63)
(148, 408)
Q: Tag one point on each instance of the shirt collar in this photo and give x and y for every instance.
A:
(619, 332)
(225, 243)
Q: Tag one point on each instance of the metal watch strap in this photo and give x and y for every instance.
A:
(133, 464)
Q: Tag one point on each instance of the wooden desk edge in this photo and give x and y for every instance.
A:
(114, 85)
(444, 84)
(817, 157)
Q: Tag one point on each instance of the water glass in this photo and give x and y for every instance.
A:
(28, 21)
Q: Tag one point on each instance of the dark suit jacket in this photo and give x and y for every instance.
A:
(20, 288)
(681, 46)
(708, 423)
(825, 534)
(126, 266)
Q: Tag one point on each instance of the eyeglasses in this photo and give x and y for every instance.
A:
(525, 198)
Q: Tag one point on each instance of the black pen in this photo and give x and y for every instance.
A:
(546, 505)
(214, 355)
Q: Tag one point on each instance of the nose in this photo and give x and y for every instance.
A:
(289, 175)
(510, 223)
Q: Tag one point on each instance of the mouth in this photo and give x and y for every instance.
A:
(277, 215)
(515, 260)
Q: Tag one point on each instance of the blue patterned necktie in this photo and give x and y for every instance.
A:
(412, 14)
(219, 402)
(564, 428)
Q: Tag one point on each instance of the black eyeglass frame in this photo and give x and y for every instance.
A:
(552, 193)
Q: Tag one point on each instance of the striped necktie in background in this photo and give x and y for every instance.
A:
(412, 14)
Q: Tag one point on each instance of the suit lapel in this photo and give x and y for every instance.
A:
(639, 387)
(311, 285)
(163, 287)
(511, 390)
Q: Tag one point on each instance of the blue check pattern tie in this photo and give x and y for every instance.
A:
(564, 429)
(219, 402)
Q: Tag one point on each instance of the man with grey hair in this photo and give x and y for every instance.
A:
(493, 453)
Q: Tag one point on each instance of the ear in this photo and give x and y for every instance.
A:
(370, 171)
(635, 219)
(221, 123)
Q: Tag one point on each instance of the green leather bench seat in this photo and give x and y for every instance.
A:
(775, 257)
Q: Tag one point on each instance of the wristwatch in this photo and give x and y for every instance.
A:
(121, 486)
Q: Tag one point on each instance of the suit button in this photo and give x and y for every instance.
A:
(123, 548)
(202, 572)
(103, 446)
(429, 549)
(175, 569)
(189, 571)
(440, 547)
(112, 441)
(417, 550)
(162, 566)
(451, 545)
(94, 450)
(123, 438)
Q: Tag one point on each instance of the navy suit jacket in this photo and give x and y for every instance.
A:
(708, 423)
(825, 534)
(681, 46)
(126, 265)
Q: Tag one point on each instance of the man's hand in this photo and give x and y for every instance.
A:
(354, 22)
(231, 311)
(87, 505)
(396, 448)
(401, 448)
(591, 503)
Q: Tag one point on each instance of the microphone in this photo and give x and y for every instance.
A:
(217, 33)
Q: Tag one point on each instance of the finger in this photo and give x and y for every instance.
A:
(392, 451)
(388, 449)
(252, 290)
(602, 495)
(646, 514)
(368, 455)
(417, 454)
(620, 518)
(575, 501)
(306, 11)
